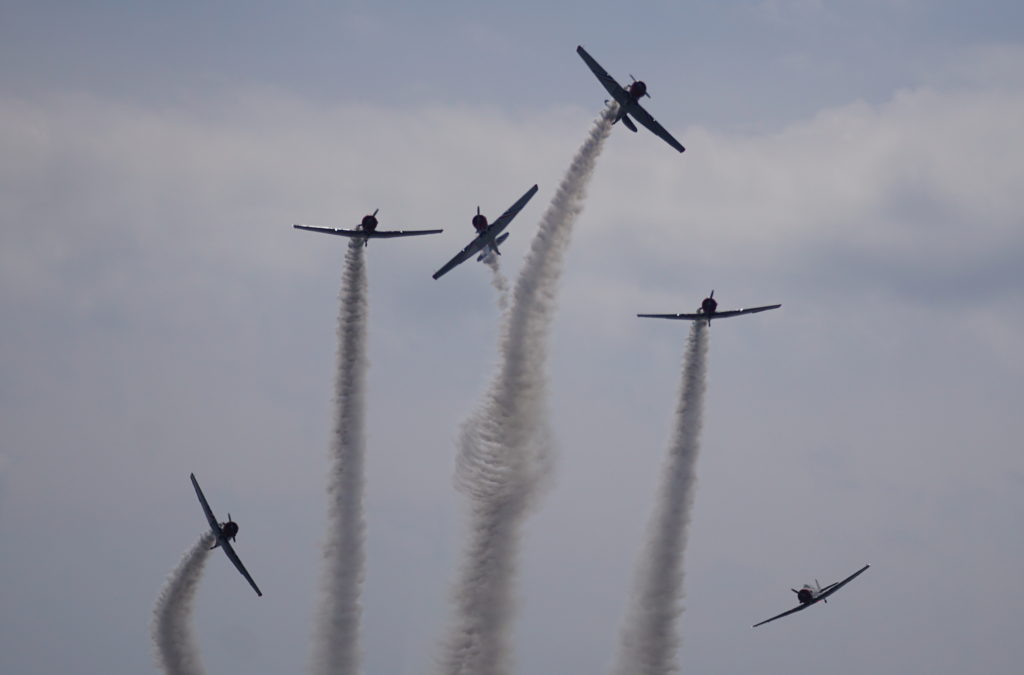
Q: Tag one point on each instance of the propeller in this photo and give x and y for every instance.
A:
(478, 210)
(375, 212)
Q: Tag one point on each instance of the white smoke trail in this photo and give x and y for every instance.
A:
(176, 649)
(650, 636)
(498, 280)
(336, 648)
(504, 445)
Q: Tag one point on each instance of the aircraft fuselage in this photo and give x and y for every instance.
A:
(369, 223)
(229, 529)
(637, 90)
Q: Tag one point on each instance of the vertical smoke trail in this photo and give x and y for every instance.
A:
(498, 280)
(650, 636)
(336, 649)
(504, 445)
(176, 650)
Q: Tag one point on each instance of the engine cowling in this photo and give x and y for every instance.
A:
(637, 90)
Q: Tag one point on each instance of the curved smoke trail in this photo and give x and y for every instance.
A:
(650, 636)
(176, 649)
(337, 640)
(504, 445)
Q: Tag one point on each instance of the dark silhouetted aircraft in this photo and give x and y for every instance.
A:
(709, 310)
(225, 533)
(808, 595)
(629, 101)
(366, 230)
(488, 235)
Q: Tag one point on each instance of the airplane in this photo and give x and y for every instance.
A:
(808, 595)
(367, 230)
(487, 235)
(224, 532)
(629, 101)
(709, 310)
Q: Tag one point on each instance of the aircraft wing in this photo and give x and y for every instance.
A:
(229, 551)
(692, 317)
(779, 616)
(620, 95)
(839, 584)
(375, 234)
(643, 117)
(462, 256)
(739, 312)
(206, 506)
(504, 219)
(487, 236)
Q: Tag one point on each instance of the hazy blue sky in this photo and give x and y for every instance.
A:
(858, 162)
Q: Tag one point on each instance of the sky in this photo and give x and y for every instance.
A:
(855, 161)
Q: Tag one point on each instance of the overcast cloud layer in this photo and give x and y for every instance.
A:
(162, 317)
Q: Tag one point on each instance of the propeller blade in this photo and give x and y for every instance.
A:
(375, 212)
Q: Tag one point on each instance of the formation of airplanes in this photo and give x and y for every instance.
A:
(489, 236)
